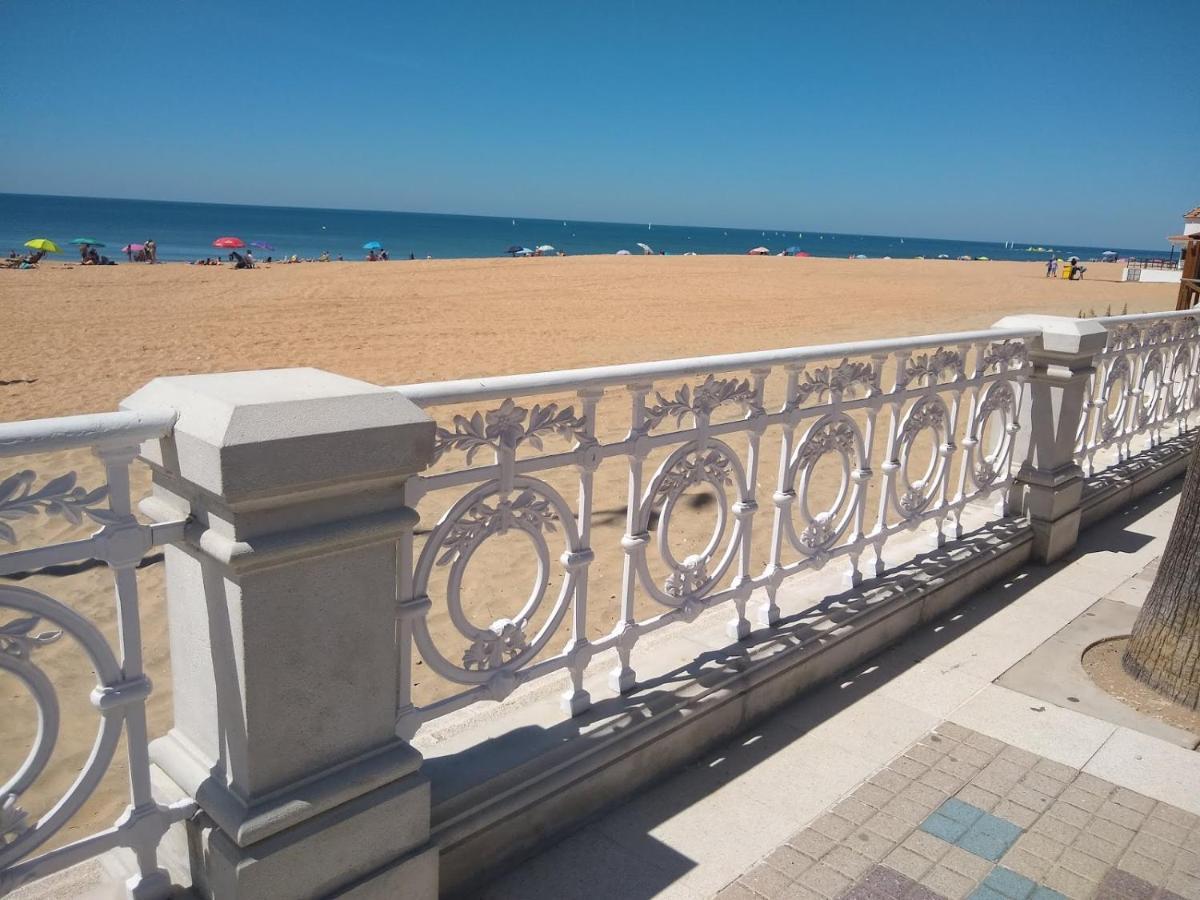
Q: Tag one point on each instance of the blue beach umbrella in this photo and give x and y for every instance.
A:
(372, 245)
(90, 242)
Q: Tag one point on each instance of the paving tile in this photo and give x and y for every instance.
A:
(873, 795)
(912, 814)
(941, 780)
(960, 811)
(1160, 828)
(1084, 865)
(1183, 885)
(927, 845)
(957, 768)
(907, 863)
(986, 893)
(1081, 799)
(1097, 848)
(1093, 785)
(1055, 829)
(889, 826)
(908, 767)
(834, 827)
(920, 892)
(926, 756)
(811, 843)
(1022, 758)
(965, 863)
(1120, 885)
(946, 829)
(926, 797)
(978, 797)
(1142, 866)
(1041, 892)
(789, 861)
(1018, 815)
(1188, 863)
(947, 883)
(1072, 815)
(851, 864)
(884, 882)
(1009, 884)
(766, 880)
(990, 837)
(854, 810)
(1133, 800)
(954, 732)
(972, 756)
(825, 880)
(1153, 847)
(1025, 863)
(1115, 834)
(1070, 885)
(871, 845)
(1122, 815)
(892, 780)
(1057, 771)
(985, 743)
(1176, 816)
(1040, 845)
(1044, 784)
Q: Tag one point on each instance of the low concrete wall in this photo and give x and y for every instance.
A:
(517, 786)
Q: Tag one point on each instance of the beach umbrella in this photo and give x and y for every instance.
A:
(133, 248)
(43, 244)
(646, 249)
(514, 249)
(803, 254)
(524, 251)
(372, 245)
(229, 243)
(544, 248)
(90, 242)
(261, 245)
(792, 251)
(624, 253)
(758, 251)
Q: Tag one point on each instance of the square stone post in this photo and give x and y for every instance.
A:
(1048, 485)
(281, 608)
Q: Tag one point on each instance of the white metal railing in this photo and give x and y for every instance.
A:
(121, 687)
(1147, 379)
(863, 406)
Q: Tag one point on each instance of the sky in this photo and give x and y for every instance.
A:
(1044, 122)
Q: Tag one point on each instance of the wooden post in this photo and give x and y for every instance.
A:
(1189, 285)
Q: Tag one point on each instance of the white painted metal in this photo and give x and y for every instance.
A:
(1146, 380)
(121, 689)
(968, 383)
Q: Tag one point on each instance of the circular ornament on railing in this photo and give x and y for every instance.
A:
(999, 401)
(832, 435)
(1175, 395)
(910, 496)
(21, 640)
(1118, 374)
(533, 509)
(713, 464)
(1150, 387)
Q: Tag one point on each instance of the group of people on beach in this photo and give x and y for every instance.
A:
(1074, 271)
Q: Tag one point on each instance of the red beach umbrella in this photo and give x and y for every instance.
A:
(229, 243)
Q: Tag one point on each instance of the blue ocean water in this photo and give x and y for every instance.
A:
(185, 231)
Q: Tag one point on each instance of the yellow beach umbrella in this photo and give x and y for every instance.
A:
(43, 244)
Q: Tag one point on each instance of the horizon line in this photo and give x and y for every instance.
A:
(537, 218)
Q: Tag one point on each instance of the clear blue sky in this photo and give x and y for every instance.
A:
(1047, 122)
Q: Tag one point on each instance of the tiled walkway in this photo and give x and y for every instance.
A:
(961, 815)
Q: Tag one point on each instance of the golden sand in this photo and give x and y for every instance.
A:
(76, 339)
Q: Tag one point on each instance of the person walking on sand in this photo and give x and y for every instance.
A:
(1051, 267)
(151, 251)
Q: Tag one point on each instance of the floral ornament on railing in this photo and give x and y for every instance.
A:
(701, 401)
(16, 638)
(481, 518)
(1008, 353)
(59, 497)
(843, 377)
(836, 436)
(689, 578)
(501, 643)
(712, 468)
(1124, 336)
(931, 367)
(1186, 327)
(507, 427)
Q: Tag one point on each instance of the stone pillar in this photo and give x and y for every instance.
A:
(281, 606)
(1049, 483)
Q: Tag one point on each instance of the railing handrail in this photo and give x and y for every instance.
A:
(497, 387)
(92, 430)
(1147, 317)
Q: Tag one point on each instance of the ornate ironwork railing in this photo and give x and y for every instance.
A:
(934, 416)
(30, 620)
(1147, 380)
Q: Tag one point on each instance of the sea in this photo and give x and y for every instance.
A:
(185, 232)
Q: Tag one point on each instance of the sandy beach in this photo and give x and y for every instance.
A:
(76, 339)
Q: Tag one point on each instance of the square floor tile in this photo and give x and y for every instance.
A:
(989, 837)
(1009, 883)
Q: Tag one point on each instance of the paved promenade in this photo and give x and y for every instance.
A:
(917, 776)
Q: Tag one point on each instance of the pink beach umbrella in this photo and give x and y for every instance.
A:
(133, 248)
(229, 243)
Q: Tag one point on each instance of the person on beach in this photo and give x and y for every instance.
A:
(250, 258)
(1051, 267)
(151, 250)
(383, 255)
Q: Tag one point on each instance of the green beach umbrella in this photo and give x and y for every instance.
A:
(43, 244)
(90, 242)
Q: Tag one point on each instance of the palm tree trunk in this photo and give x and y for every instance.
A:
(1164, 650)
